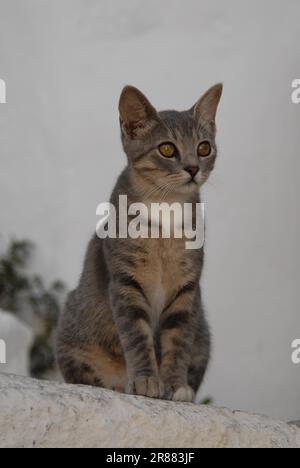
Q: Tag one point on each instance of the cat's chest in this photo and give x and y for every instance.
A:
(168, 266)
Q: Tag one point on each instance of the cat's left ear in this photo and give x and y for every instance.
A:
(137, 115)
(205, 110)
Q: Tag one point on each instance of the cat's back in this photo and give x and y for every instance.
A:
(91, 294)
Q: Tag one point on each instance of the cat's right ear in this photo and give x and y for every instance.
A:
(137, 115)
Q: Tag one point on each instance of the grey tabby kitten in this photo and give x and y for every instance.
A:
(136, 323)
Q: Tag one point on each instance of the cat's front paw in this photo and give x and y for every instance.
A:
(151, 387)
(183, 393)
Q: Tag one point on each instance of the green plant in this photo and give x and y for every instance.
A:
(207, 401)
(13, 280)
(20, 290)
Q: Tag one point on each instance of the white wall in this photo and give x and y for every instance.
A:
(65, 62)
(17, 340)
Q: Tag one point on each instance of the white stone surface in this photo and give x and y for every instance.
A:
(17, 338)
(50, 415)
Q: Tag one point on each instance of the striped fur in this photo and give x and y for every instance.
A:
(136, 322)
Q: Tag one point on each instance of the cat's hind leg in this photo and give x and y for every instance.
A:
(93, 366)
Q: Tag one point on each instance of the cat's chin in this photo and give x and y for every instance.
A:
(190, 187)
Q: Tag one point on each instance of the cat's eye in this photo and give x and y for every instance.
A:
(204, 149)
(168, 150)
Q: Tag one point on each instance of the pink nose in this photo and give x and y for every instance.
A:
(192, 170)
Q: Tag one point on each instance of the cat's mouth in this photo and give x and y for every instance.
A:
(188, 180)
(192, 182)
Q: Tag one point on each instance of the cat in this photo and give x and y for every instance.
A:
(136, 322)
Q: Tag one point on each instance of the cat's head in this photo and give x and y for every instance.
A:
(173, 152)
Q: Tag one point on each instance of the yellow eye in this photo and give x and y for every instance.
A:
(204, 149)
(168, 150)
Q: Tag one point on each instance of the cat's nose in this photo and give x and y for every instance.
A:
(192, 170)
